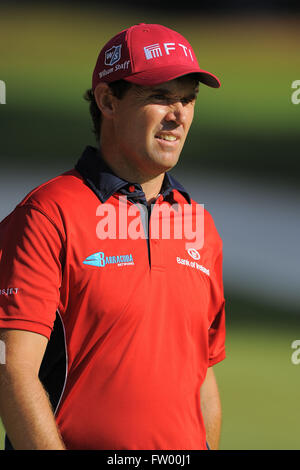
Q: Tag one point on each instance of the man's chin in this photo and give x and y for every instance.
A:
(166, 162)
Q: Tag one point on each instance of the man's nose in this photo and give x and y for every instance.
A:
(176, 113)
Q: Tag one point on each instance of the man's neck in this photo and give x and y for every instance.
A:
(151, 185)
(152, 188)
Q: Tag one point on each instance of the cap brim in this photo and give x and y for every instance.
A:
(165, 74)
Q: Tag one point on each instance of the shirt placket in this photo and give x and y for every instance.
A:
(156, 248)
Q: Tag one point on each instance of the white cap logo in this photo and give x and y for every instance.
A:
(113, 55)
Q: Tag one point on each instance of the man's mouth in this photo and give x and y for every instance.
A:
(167, 137)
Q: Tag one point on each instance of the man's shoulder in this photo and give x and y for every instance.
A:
(58, 197)
(208, 216)
(210, 229)
(60, 190)
(198, 210)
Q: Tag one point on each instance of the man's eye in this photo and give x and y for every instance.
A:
(159, 97)
(187, 100)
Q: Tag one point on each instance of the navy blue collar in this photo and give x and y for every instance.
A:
(105, 183)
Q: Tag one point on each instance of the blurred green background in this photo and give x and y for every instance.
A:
(248, 128)
(48, 52)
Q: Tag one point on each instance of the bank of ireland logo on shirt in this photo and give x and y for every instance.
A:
(193, 264)
(100, 260)
(193, 253)
(113, 55)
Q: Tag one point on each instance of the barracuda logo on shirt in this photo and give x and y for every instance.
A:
(100, 260)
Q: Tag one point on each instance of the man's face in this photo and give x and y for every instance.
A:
(151, 125)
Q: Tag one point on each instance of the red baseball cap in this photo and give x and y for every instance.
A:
(148, 54)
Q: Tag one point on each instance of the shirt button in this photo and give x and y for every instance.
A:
(131, 189)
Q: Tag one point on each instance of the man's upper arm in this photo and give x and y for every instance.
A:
(31, 255)
(23, 350)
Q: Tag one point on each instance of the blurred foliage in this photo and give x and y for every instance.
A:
(258, 383)
(249, 124)
(1, 436)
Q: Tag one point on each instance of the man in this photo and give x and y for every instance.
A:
(110, 331)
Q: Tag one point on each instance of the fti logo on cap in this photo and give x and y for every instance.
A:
(113, 55)
(155, 50)
(152, 51)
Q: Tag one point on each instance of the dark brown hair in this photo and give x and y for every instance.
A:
(118, 88)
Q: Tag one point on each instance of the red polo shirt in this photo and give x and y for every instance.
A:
(140, 319)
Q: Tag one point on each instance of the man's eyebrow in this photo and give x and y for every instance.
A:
(165, 91)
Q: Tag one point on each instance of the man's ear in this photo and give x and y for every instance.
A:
(105, 100)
